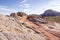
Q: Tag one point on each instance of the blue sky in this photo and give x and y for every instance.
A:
(28, 6)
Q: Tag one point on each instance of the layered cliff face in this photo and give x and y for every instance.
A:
(23, 27)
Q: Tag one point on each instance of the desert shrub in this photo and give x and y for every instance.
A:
(54, 19)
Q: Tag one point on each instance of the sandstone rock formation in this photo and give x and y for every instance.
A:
(12, 14)
(17, 27)
(36, 18)
(22, 14)
(13, 29)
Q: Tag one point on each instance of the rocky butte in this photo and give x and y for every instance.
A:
(20, 26)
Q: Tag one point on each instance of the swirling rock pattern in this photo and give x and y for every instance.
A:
(14, 27)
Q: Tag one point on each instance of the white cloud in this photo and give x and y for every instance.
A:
(26, 10)
(20, 5)
(55, 5)
(6, 10)
(24, 1)
(27, 5)
(2, 6)
(52, 4)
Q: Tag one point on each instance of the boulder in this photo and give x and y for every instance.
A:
(21, 14)
(12, 14)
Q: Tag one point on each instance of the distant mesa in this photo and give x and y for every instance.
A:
(50, 13)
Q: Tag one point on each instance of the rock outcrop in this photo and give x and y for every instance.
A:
(36, 18)
(22, 14)
(21, 27)
(13, 29)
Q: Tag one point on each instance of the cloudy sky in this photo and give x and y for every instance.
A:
(28, 6)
